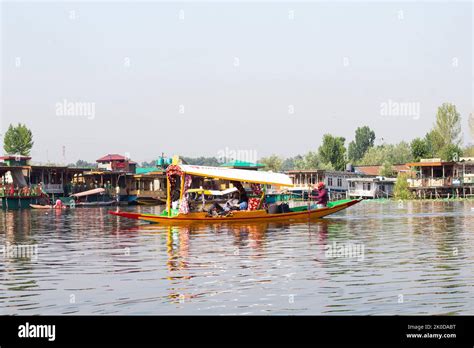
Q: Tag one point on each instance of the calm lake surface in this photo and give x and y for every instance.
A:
(417, 258)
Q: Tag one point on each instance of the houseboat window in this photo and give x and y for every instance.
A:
(366, 186)
(352, 184)
(339, 182)
(329, 181)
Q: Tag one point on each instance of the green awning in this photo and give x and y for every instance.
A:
(144, 170)
(242, 164)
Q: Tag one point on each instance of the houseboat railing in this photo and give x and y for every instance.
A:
(430, 182)
(53, 188)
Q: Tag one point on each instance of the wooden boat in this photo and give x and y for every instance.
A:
(173, 216)
(149, 201)
(39, 206)
(93, 198)
(96, 204)
(97, 191)
(80, 204)
(295, 214)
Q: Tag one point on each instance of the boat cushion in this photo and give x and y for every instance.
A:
(253, 203)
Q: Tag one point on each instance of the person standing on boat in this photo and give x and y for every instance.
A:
(322, 198)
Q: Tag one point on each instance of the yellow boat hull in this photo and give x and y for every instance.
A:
(238, 216)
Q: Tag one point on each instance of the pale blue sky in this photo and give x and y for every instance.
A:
(335, 63)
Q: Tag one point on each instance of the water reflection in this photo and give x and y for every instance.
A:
(112, 265)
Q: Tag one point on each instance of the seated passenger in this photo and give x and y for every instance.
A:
(244, 199)
(231, 204)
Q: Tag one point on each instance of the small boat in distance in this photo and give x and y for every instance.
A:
(39, 206)
(149, 201)
(92, 198)
(179, 179)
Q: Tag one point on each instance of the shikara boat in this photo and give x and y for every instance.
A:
(96, 204)
(149, 201)
(93, 198)
(175, 216)
(295, 214)
(39, 206)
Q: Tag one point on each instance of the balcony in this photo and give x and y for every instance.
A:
(430, 182)
(468, 179)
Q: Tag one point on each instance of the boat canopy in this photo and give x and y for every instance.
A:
(87, 193)
(213, 192)
(251, 176)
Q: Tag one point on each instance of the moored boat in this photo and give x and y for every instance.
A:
(39, 206)
(149, 201)
(96, 204)
(92, 198)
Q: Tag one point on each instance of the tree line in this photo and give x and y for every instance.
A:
(443, 141)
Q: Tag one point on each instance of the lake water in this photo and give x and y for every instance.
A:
(378, 257)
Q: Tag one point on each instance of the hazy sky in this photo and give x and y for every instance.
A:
(195, 78)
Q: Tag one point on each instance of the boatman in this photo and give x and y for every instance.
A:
(322, 198)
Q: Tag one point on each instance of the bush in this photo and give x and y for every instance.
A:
(401, 190)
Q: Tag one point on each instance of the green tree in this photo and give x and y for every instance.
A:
(364, 139)
(18, 140)
(273, 163)
(312, 161)
(419, 149)
(393, 154)
(468, 151)
(450, 152)
(448, 125)
(434, 143)
(401, 189)
(145, 164)
(290, 162)
(387, 170)
(375, 155)
(333, 151)
(401, 153)
(85, 164)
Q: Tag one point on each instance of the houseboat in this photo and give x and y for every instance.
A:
(15, 192)
(434, 178)
(149, 186)
(336, 182)
(371, 187)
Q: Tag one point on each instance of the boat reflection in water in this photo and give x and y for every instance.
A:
(184, 261)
